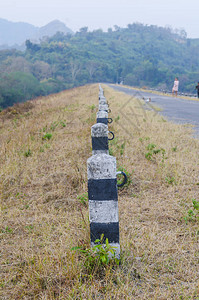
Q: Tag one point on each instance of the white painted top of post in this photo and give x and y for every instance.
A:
(99, 130)
(102, 114)
(101, 166)
(103, 107)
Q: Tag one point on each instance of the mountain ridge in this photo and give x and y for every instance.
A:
(16, 33)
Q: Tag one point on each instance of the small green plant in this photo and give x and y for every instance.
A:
(151, 147)
(29, 228)
(47, 146)
(117, 119)
(63, 124)
(174, 149)
(83, 199)
(151, 151)
(47, 136)
(54, 125)
(27, 153)
(6, 230)
(92, 107)
(193, 213)
(116, 146)
(111, 151)
(44, 128)
(148, 155)
(99, 256)
(170, 180)
(120, 177)
(122, 148)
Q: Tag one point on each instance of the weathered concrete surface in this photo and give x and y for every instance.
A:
(103, 211)
(101, 166)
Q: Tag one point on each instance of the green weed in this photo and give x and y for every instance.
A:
(170, 180)
(92, 107)
(27, 153)
(83, 199)
(53, 126)
(128, 174)
(7, 230)
(63, 124)
(174, 149)
(122, 148)
(150, 155)
(117, 119)
(110, 151)
(193, 213)
(98, 257)
(47, 136)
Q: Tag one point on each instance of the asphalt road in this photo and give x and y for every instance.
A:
(175, 109)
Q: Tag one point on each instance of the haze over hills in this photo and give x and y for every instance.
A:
(139, 55)
(16, 33)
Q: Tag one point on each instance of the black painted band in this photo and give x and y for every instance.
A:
(110, 231)
(100, 143)
(102, 120)
(102, 189)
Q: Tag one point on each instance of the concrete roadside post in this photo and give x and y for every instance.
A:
(103, 200)
(102, 98)
(101, 92)
(102, 102)
(99, 135)
(104, 107)
(102, 117)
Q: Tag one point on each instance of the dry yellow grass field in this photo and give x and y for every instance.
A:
(44, 146)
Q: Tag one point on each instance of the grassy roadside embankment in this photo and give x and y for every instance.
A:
(44, 146)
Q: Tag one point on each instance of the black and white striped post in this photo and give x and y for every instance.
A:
(103, 200)
(102, 102)
(99, 135)
(102, 97)
(101, 92)
(102, 117)
(104, 107)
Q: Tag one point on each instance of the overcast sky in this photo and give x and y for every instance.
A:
(105, 13)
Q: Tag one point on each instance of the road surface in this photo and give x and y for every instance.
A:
(175, 109)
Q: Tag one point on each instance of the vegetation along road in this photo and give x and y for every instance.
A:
(179, 110)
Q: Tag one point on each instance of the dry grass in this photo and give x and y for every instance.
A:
(42, 218)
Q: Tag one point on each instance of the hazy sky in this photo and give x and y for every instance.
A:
(105, 13)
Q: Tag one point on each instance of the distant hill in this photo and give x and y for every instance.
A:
(139, 55)
(16, 33)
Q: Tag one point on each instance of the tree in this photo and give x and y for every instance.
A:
(41, 70)
(18, 87)
(17, 64)
(75, 69)
(91, 67)
(83, 30)
(32, 47)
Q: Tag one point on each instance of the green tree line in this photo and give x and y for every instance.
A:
(138, 55)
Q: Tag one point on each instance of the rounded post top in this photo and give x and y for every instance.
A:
(101, 166)
(103, 107)
(102, 114)
(99, 130)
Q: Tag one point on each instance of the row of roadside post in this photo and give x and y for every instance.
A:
(102, 181)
